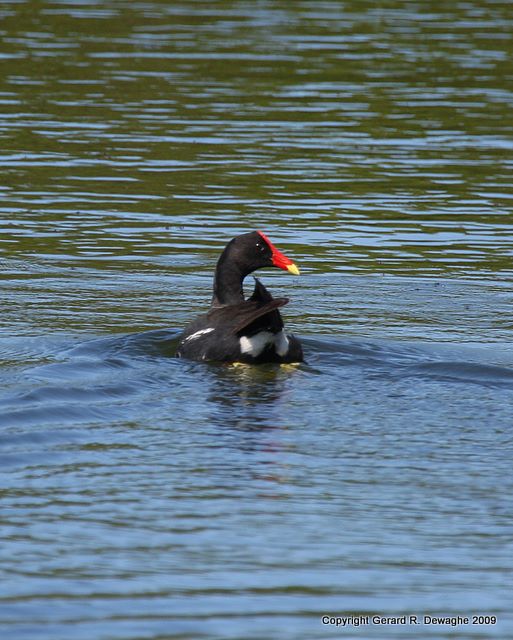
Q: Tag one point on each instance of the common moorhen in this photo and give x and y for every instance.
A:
(236, 329)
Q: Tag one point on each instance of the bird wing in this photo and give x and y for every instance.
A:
(235, 318)
(260, 293)
(254, 313)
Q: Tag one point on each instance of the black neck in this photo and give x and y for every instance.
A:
(227, 284)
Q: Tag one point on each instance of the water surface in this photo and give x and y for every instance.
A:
(144, 496)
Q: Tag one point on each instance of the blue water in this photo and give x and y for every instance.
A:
(144, 497)
(147, 496)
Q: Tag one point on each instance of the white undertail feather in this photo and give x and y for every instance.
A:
(281, 343)
(254, 345)
(257, 343)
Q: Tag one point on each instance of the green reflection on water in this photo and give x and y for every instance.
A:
(367, 138)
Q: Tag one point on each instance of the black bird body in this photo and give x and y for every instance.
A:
(236, 329)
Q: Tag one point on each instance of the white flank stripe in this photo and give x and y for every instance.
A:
(198, 334)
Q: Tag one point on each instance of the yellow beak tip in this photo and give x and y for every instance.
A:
(293, 269)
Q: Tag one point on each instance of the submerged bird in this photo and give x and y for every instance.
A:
(236, 329)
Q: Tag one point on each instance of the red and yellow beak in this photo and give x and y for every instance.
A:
(279, 259)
